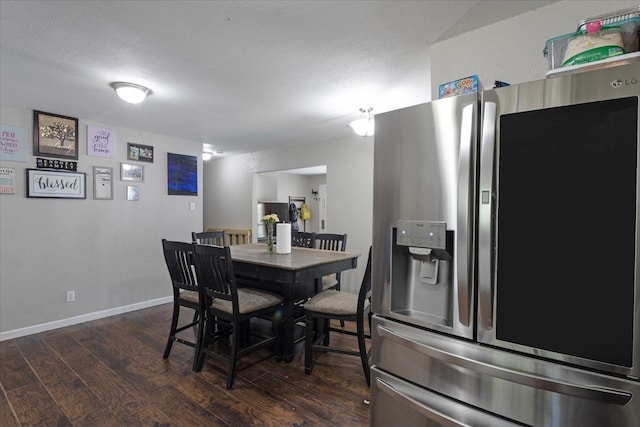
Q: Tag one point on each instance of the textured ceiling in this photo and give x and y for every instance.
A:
(238, 75)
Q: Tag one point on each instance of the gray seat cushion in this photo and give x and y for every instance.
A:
(248, 300)
(189, 296)
(334, 302)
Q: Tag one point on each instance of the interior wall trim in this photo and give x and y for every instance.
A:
(29, 330)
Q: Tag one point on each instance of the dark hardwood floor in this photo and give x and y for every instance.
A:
(110, 372)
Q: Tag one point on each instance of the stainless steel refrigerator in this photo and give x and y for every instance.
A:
(505, 257)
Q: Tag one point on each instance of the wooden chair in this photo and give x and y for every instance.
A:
(215, 238)
(343, 306)
(303, 239)
(231, 306)
(234, 236)
(186, 293)
(331, 242)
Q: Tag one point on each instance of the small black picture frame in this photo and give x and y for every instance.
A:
(139, 152)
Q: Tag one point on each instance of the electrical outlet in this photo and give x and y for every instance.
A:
(71, 296)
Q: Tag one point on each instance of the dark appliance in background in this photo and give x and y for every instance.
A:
(266, 208)
(505, 256)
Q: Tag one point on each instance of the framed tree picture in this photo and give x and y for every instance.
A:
(55, 135)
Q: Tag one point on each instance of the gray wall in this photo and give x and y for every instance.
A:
(511, 50)
(108, 251)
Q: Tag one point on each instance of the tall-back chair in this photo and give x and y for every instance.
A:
(303, 239)
(343, 306)
(231, 307)
(331, 242)
(186, 293)
(215, 238)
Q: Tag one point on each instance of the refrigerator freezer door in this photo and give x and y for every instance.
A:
(396, 399)
(519, 388)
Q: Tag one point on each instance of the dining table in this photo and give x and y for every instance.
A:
(295, 276)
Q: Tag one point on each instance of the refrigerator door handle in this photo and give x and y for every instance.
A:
(600, 394)
(463, 226)
(417, 406)
(485, 206)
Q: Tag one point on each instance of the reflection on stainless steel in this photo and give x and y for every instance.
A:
(490, 306)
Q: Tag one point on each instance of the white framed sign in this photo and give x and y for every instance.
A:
(56, 184)
(13, 143)
(102, 183)
(7, 180)
(101, 142)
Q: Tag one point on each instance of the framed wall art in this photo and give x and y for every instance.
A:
(101, 142)
(141, 153)
(133, 193)
(56, 184)
(182, 172)
(7, 180)
(13, 143)
(55, 135)
(131, 172)
(102, 183)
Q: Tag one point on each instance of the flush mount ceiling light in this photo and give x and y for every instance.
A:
(207, 155)
(364, 126)
(131, 92)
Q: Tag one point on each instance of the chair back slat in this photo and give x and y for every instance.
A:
(331, 242)
(303, 239)
(178, 257)
(208, 238)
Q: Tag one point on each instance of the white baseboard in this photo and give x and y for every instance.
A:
(29, 330)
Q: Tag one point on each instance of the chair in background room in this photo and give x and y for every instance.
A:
(234, 236)
(343, 306)
(215, 238)
(186, 293)
(303, 239)
(331, 242)
(234, 307)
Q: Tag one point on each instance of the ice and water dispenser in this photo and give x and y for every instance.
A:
(422, 272)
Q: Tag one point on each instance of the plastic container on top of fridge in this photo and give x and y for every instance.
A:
(596, 39)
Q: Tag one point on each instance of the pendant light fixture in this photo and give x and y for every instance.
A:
(131, 92)
(365, 125)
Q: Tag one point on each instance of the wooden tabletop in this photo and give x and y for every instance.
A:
(256, 253)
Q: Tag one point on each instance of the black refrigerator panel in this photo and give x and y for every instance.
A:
(558, 220)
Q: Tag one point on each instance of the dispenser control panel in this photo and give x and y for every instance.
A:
(427, 234)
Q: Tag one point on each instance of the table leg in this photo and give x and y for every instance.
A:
(286, 338)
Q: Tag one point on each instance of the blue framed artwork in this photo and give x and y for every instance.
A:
(182, 175)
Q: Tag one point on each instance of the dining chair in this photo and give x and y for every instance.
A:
(208, 238)
(302, 239)
(186, 293)
(344, 306)
(231, 310)
(331, 242)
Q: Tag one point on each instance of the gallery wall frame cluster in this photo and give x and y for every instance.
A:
(57, 175)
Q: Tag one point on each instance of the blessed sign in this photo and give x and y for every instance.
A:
(56, 184)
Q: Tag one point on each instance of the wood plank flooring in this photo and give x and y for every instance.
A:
(110, 372)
